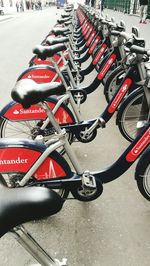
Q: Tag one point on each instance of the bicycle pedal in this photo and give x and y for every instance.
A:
(88, 181)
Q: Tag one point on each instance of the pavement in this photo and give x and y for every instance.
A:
(6, 17)
(14, 14)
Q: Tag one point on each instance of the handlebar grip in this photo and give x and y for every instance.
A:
(115, 33)
(138, 49)
(148, 52)
(129, 43)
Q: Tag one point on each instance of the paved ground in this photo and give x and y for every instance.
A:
(110, 231)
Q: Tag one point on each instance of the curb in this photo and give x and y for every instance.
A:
(4, 18)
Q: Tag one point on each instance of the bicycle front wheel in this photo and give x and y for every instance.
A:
(143, 176)
(113, 82)
(129, 114)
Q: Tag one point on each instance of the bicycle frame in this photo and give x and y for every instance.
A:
(129, 156)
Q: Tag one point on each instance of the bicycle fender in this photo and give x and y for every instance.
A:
(15, 112)
(40, 74)
(20, 155)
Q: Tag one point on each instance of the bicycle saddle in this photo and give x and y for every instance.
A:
(67, 23)
(63, 20)
(28, 92)
(61, 31)
(47, 51)
(68, 10)
(51, 40)
(65, 16)
(20, 205)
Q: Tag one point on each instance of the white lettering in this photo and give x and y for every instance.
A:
(38, 76)
(29, 111)
(17, 161)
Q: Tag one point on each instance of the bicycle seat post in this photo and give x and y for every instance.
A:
(59, 72)
(68, 71)
(33, 248)
(50, 114)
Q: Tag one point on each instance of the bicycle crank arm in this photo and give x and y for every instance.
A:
(76, 127)
(74, 181)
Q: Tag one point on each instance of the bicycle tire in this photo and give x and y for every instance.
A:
(128, 115)
(110, 87)
(142, 174)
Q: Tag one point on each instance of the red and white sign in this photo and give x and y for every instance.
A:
(91, 49)
(106, 67)
(119, 96)
(36, 112)
(90, 38)
(22, 159)
(99, 54)
(143, 142)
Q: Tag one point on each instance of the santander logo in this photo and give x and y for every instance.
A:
(94, 45)
(143, 142)
(106, 67)
(37, 76)
(100, 53)
(14, 161)
(90, 39)
(122, 91)
(28, 111)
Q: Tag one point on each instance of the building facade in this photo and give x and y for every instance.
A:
(126, 6)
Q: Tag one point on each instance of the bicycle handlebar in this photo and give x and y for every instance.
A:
(139, 50)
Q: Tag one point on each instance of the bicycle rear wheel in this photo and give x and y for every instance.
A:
(12, 179)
